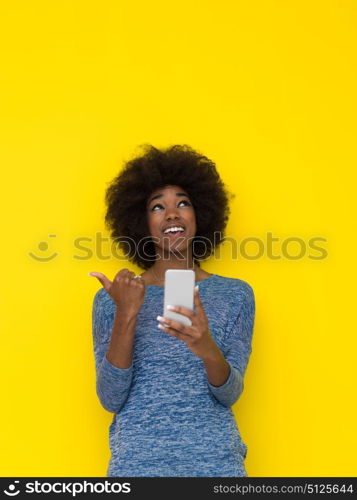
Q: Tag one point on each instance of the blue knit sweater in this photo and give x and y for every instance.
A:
(168, 419)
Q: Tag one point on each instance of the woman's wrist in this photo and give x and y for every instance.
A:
(217, 368)
(126, 315)
(213, 355)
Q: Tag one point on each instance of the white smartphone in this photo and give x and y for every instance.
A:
(179, 291)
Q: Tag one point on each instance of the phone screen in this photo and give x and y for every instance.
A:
(179, 291)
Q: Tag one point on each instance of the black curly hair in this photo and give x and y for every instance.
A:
(178, 165)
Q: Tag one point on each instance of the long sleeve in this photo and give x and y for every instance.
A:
(237, 350)
(112, 383)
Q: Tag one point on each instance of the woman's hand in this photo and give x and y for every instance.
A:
(126, 291)
(197, 336)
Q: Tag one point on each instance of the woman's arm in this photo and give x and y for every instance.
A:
(120, 352)
(229, 367)
(113, 346)
(217, 368)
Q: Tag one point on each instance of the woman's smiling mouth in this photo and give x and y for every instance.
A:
(174, 231)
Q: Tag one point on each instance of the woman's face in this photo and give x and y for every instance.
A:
(171, 206)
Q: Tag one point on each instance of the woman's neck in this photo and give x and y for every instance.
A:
(156, 274)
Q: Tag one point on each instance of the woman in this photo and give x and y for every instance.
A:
(171, 386)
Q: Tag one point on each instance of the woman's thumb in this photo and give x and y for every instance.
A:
(102, 278)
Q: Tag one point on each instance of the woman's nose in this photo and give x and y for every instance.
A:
(171, 213)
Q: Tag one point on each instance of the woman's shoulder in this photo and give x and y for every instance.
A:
(234, 287)
(102, 299)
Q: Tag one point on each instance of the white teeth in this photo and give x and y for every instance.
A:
(171, 229)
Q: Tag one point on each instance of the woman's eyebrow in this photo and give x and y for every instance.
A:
(161, 195)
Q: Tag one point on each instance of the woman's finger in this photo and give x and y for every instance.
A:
(182, 310)
(171, 331)
(197, 299)
(102, 278)
(172, 325)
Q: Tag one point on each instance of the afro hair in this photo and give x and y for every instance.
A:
(179, 165)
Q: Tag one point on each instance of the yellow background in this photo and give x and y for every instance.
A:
(265, 89)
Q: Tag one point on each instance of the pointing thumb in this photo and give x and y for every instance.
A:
(102, 278)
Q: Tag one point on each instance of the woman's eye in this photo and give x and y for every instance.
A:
(159, 205)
